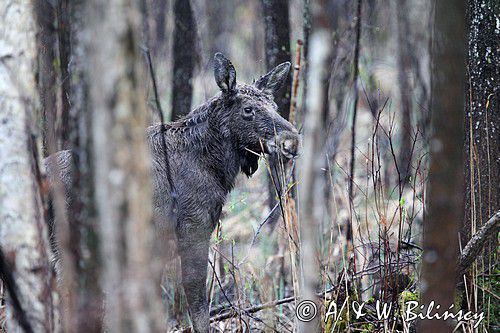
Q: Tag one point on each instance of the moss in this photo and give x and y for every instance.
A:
(406, 296)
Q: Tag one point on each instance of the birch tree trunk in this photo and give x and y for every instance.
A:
(23, 233)
(310, 172)
(121, 157)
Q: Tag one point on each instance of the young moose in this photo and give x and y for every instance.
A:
(206, 150)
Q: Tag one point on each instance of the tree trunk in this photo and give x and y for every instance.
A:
(482, 140)
(76, 231)
(121, 160)
(47, 74)
(310, 170)
(23, 232)
(160, 24)
(405, 90)
(184, 54)
(482, 117)
(446, 169)
(277, 37)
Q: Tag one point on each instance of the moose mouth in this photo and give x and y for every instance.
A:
(286, 144)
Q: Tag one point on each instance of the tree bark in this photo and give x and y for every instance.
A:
(277, 50)
(277, 35)
(47, 73)
(121, 160)
(184, 54)
(160, 24)
(77, 231)
(446, 169)
(482, 119)
(23, 233)
(405, 90)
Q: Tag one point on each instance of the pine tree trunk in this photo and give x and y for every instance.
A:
(23, 232)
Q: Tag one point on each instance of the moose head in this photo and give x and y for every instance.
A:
(254, 122)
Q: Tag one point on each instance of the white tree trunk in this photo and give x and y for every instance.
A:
(310, 175)
(23, 235)
(121, 158)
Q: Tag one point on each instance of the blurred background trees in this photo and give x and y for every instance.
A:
(364, 100)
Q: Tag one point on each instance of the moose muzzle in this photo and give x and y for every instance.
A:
(286, 143)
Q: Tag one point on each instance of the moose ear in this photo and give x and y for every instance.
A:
(224, 72)
(273, 81)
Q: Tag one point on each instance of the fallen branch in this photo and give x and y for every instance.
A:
(253, 309)
(256, 308)
(476, 243)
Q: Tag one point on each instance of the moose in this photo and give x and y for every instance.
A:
(196, 160)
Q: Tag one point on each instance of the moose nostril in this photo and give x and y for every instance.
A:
(290, 147)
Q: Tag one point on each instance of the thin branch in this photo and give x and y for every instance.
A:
(162, 120)
(476, 243)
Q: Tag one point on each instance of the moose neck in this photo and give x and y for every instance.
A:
(205, 133)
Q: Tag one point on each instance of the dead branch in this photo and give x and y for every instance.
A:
(256, 308)
(476, 243)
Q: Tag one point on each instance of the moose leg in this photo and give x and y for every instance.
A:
(193, 251)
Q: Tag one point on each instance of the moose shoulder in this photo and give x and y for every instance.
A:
(206, 150)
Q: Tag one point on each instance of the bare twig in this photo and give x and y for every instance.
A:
(162, 120)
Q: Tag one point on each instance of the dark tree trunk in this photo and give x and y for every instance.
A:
(482, 115)
(84, 311)
(47, 73)
(161, 23)
(482, 125)
(64, 36)
(277, 37)
(184, 54)
(405, 90)
(217, 28)
(446, 170)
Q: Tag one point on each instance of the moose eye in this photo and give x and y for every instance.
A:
(248, 113)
